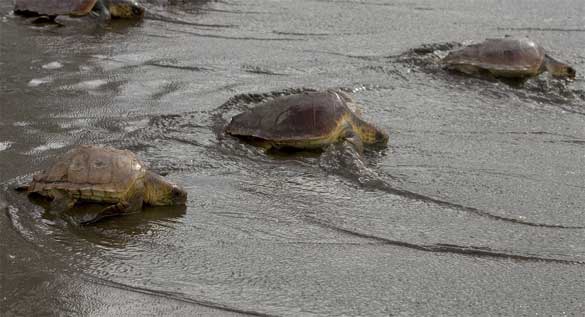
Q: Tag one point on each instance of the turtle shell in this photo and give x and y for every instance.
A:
(55, 7)
(92, 173)
(505, 56)
(305, 116)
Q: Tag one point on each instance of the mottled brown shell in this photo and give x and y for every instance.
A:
(295, 117)
(92, 173)
(55, 7)
(505, 56)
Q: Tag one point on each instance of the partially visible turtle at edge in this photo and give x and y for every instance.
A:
(309, 120)
(107, 176)
(102, 9)
(509, 57)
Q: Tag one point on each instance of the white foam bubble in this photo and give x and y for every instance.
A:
(90, 84)
(85, 68)
(46, 147)
(5, 145)
(35, 82)
(52, 65)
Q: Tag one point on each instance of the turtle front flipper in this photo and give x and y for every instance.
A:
(134, 204)
(345, 158)
(62, 201)
(351, 137)
(101, 11)
(110, 211)
(124, 9)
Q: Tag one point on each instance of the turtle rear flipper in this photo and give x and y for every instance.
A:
(352, 139)
(62, 201)
(110, 211)
(101, 12)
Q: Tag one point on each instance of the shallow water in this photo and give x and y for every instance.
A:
(475, 207)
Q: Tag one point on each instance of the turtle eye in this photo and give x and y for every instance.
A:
(571, 72)
(177, 192)
(137, 10)
(178, 196)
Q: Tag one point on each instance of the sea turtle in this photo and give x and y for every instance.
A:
(104, 9)
(309, 120)
(103, 175)
(509, 57)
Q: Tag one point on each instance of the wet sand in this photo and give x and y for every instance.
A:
(475, 207)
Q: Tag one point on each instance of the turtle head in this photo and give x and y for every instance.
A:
(370, 134)
(559, 69)
(125, 9)
(160, 192)
(375, 136)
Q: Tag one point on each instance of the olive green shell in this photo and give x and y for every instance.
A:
(510, 57)
(92, 173)
(302, 116)
(55, 7)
